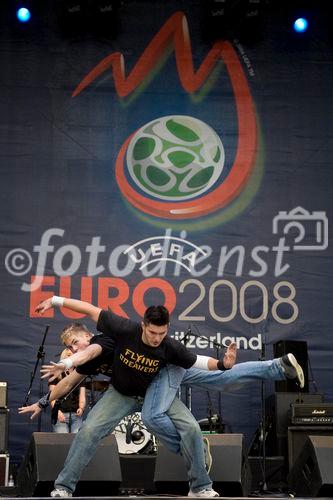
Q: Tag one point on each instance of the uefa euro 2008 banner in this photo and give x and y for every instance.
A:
(191, 224)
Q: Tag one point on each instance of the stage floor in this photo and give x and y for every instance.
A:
(12, 494)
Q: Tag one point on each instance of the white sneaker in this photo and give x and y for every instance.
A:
(61, 492)
(206, 493)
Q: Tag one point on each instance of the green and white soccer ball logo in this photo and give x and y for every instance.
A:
(175, 158)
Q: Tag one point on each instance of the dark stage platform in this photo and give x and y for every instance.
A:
(10, 493)
(162, 474)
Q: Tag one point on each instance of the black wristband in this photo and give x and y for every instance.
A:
(44, 402)
(221, 366)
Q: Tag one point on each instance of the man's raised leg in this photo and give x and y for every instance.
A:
(243, 373)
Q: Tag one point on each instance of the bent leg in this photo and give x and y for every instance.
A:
(169, 420)
(101, 421)
(191, 445)
(158, 399)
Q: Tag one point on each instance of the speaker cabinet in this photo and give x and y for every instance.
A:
(311, 474)
(298, 435)
(4, 469)
(230, 470)
(4, 420)
(278, 408)
(138, 473)
(300, 350)
(46, 456)
(3, 394)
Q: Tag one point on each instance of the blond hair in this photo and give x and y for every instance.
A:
(65, 353)
(74, 329)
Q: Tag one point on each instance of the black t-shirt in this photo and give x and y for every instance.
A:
(135, 363)
(69, 403)
(103, 363)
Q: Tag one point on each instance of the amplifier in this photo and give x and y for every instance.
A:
(4, 417)
(312, 414)
(3, 394)
(4, 469)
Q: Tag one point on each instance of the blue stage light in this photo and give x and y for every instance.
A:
(23, 14)
(301, 25)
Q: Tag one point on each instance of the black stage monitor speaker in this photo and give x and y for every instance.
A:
(46, 456)
(138, 473)
(4, 417)
(298, 435)
(299, 349)
(230, 471)
(312, 473)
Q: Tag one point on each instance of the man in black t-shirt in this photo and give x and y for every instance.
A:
(145, 356)
(141, 350)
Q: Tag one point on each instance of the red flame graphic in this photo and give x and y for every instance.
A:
(176, 30)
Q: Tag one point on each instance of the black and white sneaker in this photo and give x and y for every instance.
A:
(292, 369)
(206, 493)
(61, 492)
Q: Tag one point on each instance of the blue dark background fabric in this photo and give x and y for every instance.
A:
(58, 157)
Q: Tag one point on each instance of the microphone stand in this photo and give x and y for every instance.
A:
(313, 381)
(188, 389)
(262, 425)
(217, 346)
(188, 332)
(40, 358)
(219, 395)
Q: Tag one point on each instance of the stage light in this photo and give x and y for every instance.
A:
(301, 25)
(23, 14)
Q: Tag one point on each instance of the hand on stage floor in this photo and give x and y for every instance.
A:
(35, 409)
(230, 356)
(52, 371)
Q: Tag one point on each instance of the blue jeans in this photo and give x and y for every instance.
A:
(164, 388)
(181, 434)
(185, 436)
(72, 424)
(102, 420)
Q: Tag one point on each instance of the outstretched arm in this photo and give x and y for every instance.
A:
(34, 409)
(61, 389)
(54, 370)
(74, 305)
(228, 360)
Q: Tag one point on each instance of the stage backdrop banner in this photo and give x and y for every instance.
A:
(158, 166)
